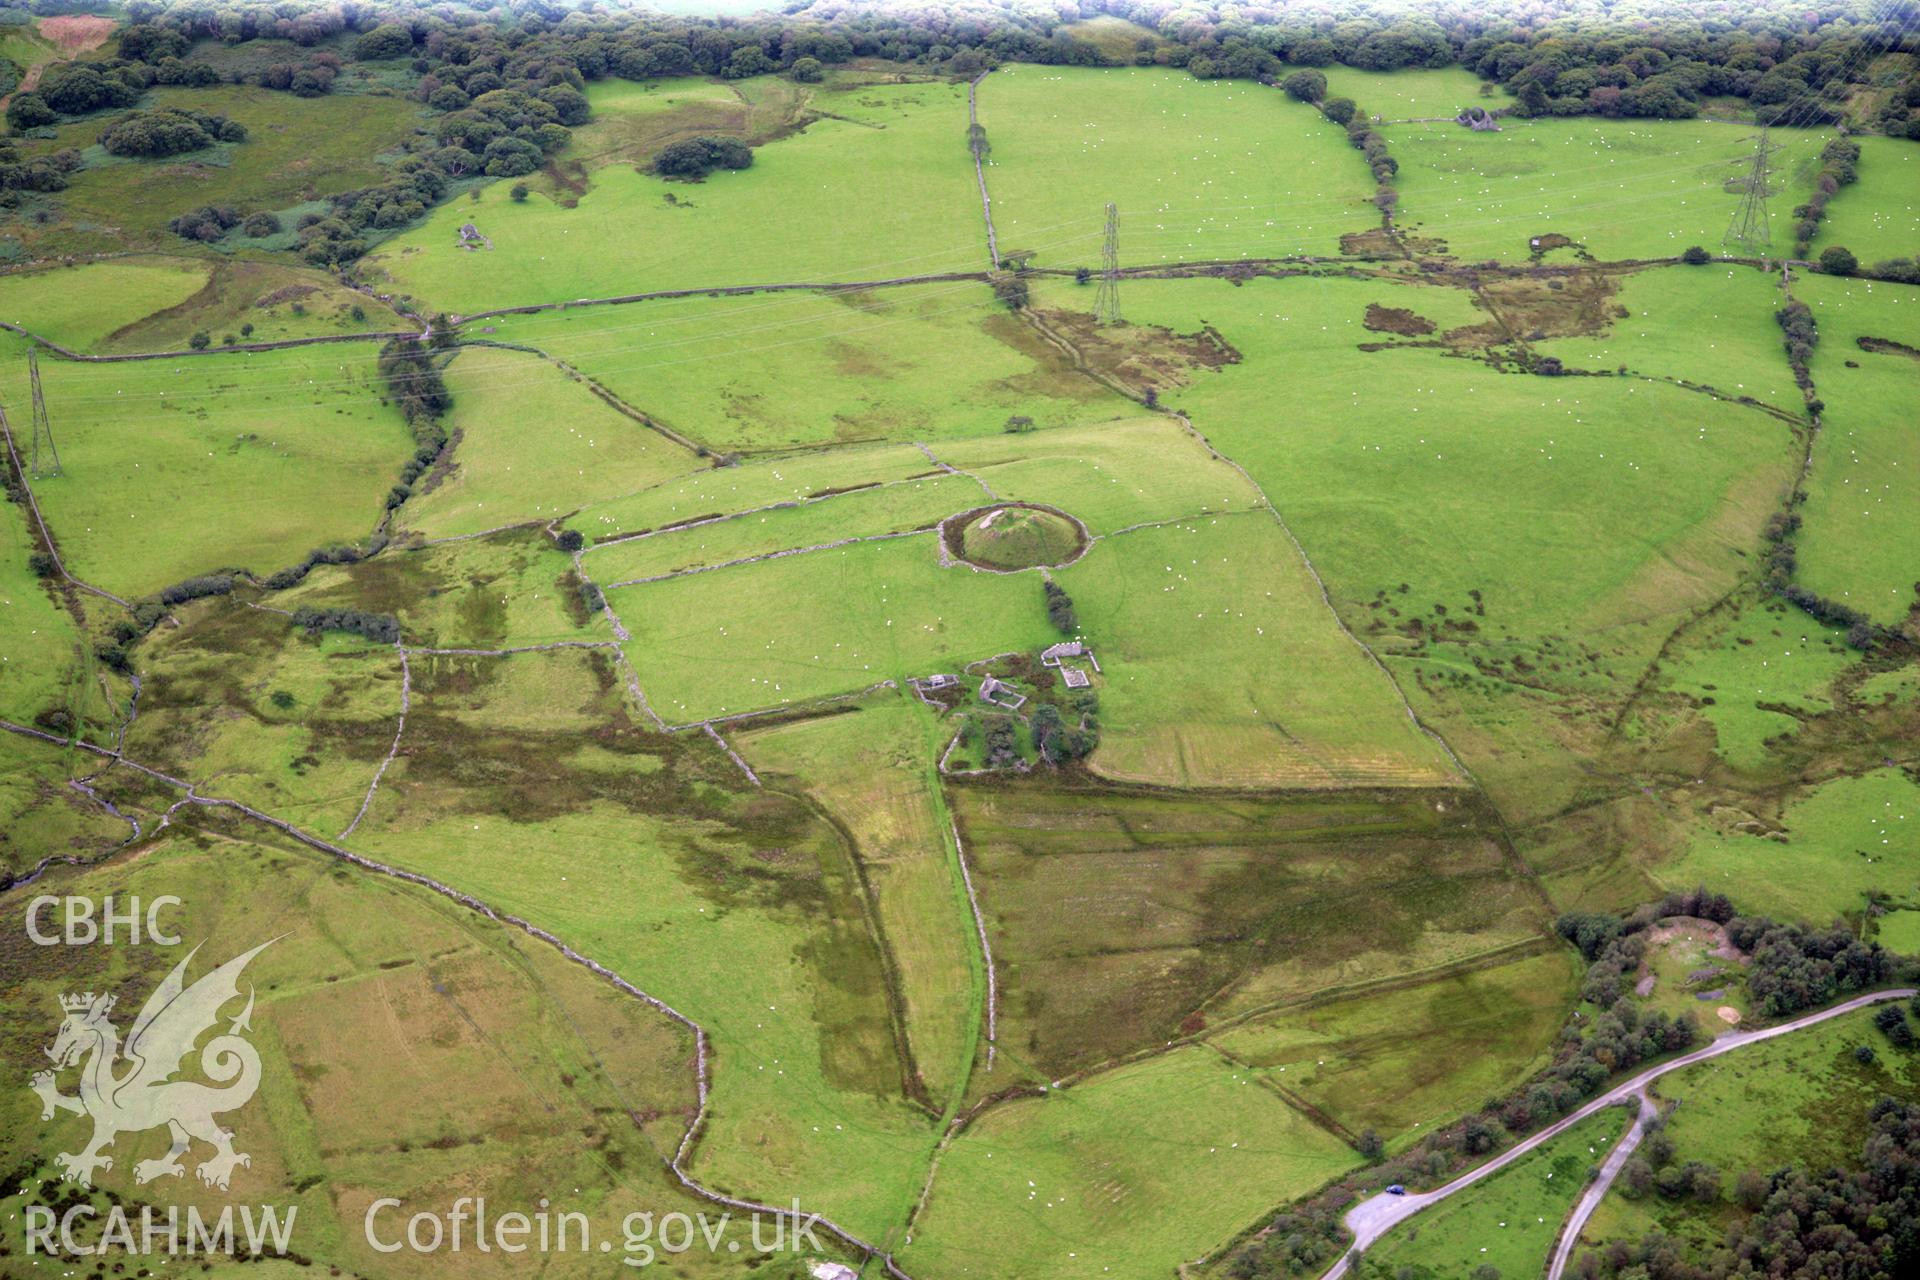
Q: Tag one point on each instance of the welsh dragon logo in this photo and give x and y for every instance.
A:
(130, 1088)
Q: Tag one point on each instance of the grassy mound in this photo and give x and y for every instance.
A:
(1019, 538)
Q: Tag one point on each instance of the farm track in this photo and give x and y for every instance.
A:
(702, 1074)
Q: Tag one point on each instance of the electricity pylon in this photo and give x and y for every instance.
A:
(1106, 303)
(1751, 231)
(41, 426)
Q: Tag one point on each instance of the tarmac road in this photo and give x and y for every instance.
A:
(1378, 1214)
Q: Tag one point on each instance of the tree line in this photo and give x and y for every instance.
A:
(508, 76)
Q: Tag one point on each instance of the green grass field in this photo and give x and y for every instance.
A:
(1623, 189)
(64, 304)
(1834, 843)
(1409, 1059)
(775, 371)
(532, 443)
(782, 632)
(1130, 1173)
(1200, 169)
(1509, 1221)
(870, 771)
(1416, 92)
(751, 486)
(785, 219)
(174, 468)
(1224, 668)
(895, 507)
(1639, 500)
(1757, 673)
(1863, 493)
(1710, 325)
(42, 663)
(1879, 216)
(154, 302)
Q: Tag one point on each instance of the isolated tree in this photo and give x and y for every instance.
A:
(571, 540)
(1695, 256)
(807, 70)
(1369, 1144)
(519, 192)
(1305, 86)
(1838, 260)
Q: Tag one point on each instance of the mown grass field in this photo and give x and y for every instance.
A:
(1830, 846)
(410, 1048)
(532, 444)
(782, 632)
(63, 304)
(1410, 1058)
(1878, 217)
(1130, 1173)
(776, 371)
(1801, 1100)
(1622, 189)
(1225, 668)
(1200, 169)
(1863, 492)
(1509, 1221)
(864, 513)
(787, 218)
(174, 468)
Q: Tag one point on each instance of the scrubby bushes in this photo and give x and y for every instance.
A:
(695, 158)
(383, 628)
(1801, 336)
(44, 173)
(1794, 968)
(207, 223)
(169, 132)
(1839, 161)
(1060, 607)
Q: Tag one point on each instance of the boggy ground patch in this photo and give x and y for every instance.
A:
(1535, 307)
(1122, 919)
(1398, 320)
(1143, 356)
